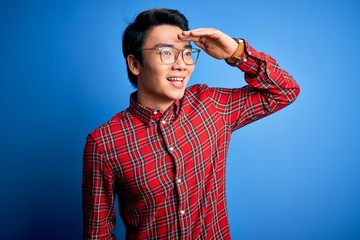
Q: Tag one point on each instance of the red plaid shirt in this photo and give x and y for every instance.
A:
(168, 169)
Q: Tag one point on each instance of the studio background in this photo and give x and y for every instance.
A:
(293, 175)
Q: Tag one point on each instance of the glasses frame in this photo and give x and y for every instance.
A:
(176, 56)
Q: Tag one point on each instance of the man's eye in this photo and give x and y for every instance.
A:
(188, 53)
(166, 52)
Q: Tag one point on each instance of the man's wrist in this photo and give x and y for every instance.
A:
(236, 57)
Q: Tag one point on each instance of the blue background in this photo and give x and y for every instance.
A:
(294, 175)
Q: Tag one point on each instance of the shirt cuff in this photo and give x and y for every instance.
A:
(249, 60)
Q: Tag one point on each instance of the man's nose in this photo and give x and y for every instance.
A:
(179, 62)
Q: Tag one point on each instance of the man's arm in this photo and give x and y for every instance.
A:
(270, 87)
(97, 194)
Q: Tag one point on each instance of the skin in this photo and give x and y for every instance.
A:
(159, 85)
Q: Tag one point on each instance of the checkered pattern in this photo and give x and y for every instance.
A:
(168, 169)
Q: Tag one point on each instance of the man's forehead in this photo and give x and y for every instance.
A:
(165, 35)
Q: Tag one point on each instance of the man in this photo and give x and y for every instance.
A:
(164, 156)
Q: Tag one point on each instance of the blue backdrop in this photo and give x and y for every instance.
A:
(294, 175)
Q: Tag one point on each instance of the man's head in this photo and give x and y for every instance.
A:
(159, 63)
(136, 33)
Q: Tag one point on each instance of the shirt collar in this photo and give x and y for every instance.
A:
(148, 115)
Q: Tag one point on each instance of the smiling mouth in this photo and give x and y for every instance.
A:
(176, 79)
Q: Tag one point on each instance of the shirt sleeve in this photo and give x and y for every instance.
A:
(97, 194)
(269, 89)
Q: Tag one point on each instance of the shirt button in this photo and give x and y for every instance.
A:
(249, 52)
(171, 149)
(179, 180)
(182, 212)
(163, 122)
(244, 60)
(155, 112)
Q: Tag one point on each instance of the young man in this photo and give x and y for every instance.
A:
(164, 156)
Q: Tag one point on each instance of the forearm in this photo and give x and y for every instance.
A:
(269, 89)
(264, 74)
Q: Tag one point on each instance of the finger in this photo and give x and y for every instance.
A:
(189, 38)
(195, 34)
(205, 32)
(200, 31)
(201, 45)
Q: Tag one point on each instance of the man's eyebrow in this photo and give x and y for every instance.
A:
(163, 45)
(170, 45)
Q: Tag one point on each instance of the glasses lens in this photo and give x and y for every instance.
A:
(168, 55)
(190, 56)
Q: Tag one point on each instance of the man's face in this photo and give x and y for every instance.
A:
(160, 84)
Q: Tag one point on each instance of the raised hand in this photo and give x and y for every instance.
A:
(214, 42)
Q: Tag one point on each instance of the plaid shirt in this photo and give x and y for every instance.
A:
(168, 169)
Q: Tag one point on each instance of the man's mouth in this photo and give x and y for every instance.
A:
(175, 79)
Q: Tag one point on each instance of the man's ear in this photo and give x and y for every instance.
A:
(133, 64)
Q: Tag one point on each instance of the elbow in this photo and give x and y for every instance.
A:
(295, 92)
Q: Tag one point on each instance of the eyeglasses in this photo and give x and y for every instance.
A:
(169, 55)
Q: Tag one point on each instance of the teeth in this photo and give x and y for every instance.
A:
(175, 79)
